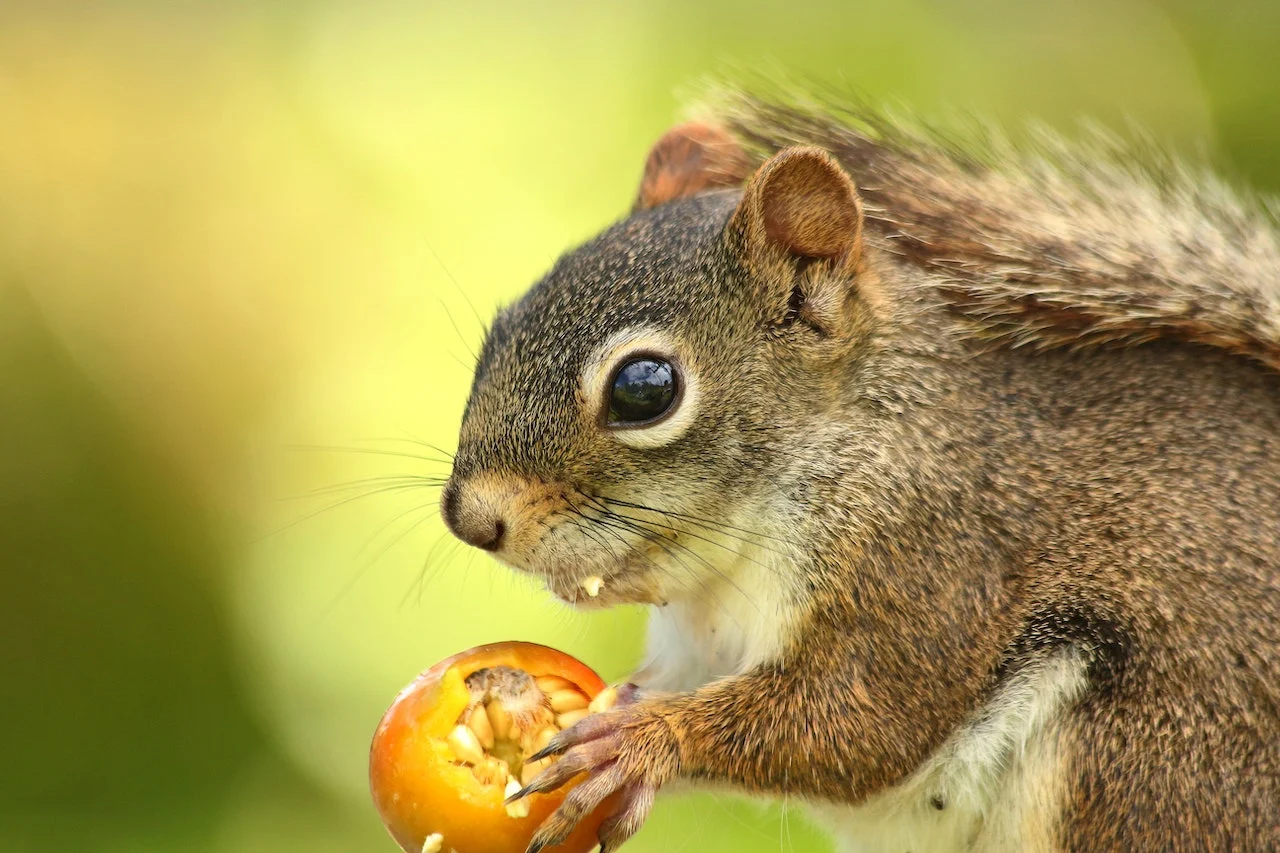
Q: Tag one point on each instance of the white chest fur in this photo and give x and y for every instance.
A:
(737, 619)
(997, 778)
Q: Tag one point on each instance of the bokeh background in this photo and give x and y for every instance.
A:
(246, 253)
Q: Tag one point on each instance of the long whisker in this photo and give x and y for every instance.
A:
(475, 357)
(660, 541)
(324, 448)
(663, 542)
(587, 530)
(706, 523)
(613, 530)
(367, 564)
(576, 511)
(686, 532)
(428, 567)
(342, 502)
(413, 439)
(457, 286)
(409, 480)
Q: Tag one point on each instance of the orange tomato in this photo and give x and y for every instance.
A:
(421, 787)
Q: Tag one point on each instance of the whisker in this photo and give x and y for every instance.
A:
(428, 568)
(388, 483)
(341, 502)
(324, 448)
(484, 327)
(367, 564)
(413, 439)
(702, 538)
(593, 534)
(588, 532)
(649, 536)
(474, 356)
(664, 541)
(701, 522)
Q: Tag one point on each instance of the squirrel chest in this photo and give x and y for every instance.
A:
(992, 786)
(735, 620)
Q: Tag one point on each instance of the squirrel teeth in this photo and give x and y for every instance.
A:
(593, 585)
(433, 843)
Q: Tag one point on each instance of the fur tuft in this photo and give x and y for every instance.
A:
(1048, 244)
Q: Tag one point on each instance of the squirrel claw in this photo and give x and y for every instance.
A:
(629, 751)
(589, 728)
(585, 730)
(637, 802)
(557, 774)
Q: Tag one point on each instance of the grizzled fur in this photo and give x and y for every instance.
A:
(1028, 421)
(1055, 245)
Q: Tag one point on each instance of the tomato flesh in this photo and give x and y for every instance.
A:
(420, 788)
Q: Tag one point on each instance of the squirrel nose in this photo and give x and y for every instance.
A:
(470, 520)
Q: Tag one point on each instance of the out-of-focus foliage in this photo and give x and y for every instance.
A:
(227, 229)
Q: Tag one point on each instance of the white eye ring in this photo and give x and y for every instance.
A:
(601, 370)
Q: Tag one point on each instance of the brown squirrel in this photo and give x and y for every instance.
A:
(953, 479)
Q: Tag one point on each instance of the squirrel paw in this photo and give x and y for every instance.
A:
(630, 750)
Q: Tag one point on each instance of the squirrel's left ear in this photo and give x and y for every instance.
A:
(689, 159)
(799, 227)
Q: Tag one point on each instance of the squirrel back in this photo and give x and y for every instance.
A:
(1051, 245)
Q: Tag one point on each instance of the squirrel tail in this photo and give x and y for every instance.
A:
(1047, 244)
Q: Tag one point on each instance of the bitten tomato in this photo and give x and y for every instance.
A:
(452, 746)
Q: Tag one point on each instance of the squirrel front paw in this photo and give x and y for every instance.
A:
(631, 750)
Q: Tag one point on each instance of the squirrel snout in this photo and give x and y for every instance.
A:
(471, 520)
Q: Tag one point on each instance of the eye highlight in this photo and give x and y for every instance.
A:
(644, 389)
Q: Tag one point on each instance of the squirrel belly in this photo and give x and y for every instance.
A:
(994, 785)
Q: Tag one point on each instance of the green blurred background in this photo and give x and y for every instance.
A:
(229, 229)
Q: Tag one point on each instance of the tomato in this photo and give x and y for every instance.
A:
(426, 776)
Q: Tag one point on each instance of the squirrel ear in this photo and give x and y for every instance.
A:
(688, 159)
(802, 202)
(799, 228)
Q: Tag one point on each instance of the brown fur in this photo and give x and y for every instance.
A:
(1059, 247)
(689, 159)
(1021, 410)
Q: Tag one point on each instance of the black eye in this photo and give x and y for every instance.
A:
(643, 390)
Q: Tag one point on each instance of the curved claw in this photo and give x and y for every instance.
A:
(588, 728)
(580, 802)
(637, 802)
(556, 775)
(630, 749)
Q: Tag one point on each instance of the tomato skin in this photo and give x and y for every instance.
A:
(418, 791)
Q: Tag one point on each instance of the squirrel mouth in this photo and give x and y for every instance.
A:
(633, 577)
(632, 582)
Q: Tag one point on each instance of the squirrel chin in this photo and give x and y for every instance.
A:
(625, 587)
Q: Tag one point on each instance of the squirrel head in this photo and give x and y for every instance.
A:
(636, 415)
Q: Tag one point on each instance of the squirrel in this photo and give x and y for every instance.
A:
(951, 476)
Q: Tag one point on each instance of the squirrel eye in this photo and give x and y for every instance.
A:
(644, 389)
